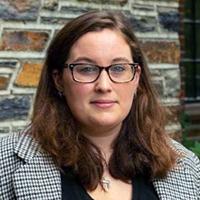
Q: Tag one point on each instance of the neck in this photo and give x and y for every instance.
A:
(103, 140)
(104, 143)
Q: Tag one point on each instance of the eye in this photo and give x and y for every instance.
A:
(86, 69)
(118, 68)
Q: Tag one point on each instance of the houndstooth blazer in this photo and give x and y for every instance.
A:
(27, 173)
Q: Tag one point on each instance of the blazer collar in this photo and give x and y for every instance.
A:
(27, 147)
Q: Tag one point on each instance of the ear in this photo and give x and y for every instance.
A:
(58, 80)
(137, 75)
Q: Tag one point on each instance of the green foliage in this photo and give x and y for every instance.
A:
(193, 145)
(196, 148)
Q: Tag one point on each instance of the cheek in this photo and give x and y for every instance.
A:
(128, 99)
(76, 95)
(127, 96)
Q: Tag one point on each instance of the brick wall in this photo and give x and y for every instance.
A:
(27, 27)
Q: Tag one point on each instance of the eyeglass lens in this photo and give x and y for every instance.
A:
(89, 73)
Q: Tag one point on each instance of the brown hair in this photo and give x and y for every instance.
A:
(142, 146)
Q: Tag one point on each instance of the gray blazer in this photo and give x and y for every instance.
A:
(26, 172)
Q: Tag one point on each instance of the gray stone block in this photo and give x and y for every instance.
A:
(159, 85)
(143, 23)
(17, 10)
(15, 108)
(169, 20)
(9, 64)
(75, 10)
(172, 82)
(4, 130)
(50, 4)
(144, 8)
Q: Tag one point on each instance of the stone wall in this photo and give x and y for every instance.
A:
(27, 27)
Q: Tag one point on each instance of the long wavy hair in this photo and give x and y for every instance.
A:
(142, 146)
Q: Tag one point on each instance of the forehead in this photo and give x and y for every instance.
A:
(103, 43)
(106, 34)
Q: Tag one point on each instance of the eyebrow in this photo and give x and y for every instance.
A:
(89, 60)
(84, 59)
(121, 59)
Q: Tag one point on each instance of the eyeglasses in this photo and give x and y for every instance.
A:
(89, 73)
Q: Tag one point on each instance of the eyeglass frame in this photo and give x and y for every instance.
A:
(101, 68)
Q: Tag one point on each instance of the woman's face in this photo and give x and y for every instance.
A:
(103, 104)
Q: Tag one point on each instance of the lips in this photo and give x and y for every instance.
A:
(103, 103)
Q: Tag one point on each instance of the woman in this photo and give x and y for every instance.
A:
(97, 130)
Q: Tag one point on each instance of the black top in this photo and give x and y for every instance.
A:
(73, 190)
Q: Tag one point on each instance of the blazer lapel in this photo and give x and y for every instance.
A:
(37, 177)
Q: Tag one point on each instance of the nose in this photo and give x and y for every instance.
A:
(103, 83)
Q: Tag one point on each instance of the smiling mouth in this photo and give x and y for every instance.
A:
(103, 103)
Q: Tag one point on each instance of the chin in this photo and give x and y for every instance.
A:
(107, 123)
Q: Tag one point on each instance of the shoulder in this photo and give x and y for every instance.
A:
(187, 159)
(187, 169)
(9, 163)
(19, 146)
(183, 181)
(7, 146)
(8, 157)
